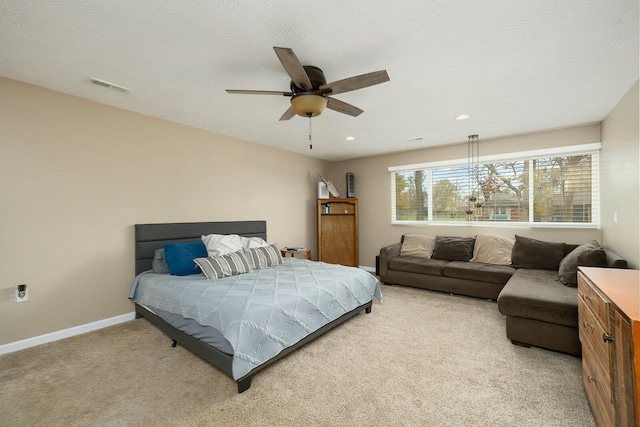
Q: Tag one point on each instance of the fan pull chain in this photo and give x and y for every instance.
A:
(310, 141)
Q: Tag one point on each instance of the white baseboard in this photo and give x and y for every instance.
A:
(65, 333)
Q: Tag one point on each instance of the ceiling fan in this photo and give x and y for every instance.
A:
(310, 90)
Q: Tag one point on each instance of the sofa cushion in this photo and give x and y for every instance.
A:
(417, 245)
(414, 264)
(453, 248)
(539, 295)
(587, 255)
(479, 272)
(532, 253)
(492, 249)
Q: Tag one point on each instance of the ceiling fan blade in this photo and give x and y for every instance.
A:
(343, 107)
(355, 82)
(259, 92)
(288, 114)
(293, 67)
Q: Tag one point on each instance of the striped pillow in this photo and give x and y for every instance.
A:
(264, 256)
(214, 267)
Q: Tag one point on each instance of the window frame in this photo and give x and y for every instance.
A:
(592, 149)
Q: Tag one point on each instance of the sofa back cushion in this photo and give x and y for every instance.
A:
(491, 249)
(420, 245)
(538, 254)
(451, 248)
(587, 255)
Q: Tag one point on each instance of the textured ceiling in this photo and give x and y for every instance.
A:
(515, 66)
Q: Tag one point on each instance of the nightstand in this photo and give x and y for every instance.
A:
(296, 253)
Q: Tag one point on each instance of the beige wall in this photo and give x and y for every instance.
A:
(374, 192)
(620, 179)
(74, 178)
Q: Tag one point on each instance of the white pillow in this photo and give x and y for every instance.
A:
(222, 244)
(418, 245)
(253, 242)
(492, 249)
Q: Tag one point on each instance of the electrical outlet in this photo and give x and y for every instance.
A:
(615, 217)
(22, 294)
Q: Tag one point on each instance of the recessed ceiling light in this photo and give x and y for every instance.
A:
(350, 138)
(463, 117)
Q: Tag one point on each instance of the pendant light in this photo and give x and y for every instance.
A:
(474, 209)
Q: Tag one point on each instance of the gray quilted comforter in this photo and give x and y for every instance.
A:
(262, 312)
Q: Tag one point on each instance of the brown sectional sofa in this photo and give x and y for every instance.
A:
(539, 309)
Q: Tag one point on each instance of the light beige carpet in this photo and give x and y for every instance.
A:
(419, 359)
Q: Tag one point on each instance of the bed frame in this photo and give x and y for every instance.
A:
(149, 237)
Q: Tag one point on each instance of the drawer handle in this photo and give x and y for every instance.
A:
(585, 297)
(586, 324)
(591, 379)
(606, 337)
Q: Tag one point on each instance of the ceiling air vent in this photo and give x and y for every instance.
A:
(109, 85)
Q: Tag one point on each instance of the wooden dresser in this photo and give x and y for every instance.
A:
(609, 318)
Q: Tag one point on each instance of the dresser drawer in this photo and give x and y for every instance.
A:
(592, 336)
(595, 350)
(596, 302)
(601, 405)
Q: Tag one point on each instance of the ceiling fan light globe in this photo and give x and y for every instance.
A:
(308, 105)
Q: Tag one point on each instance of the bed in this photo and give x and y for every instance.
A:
(324, 295)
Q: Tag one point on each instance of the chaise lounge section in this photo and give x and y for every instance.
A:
(541, 311)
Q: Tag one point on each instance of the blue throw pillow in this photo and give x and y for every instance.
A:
(180, 256)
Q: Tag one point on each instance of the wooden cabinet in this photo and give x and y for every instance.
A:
(609, 324)
(338, 231)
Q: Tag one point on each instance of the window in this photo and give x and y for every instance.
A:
(499, 213)
(553, 187)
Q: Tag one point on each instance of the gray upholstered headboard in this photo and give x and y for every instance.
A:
(150, 237)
